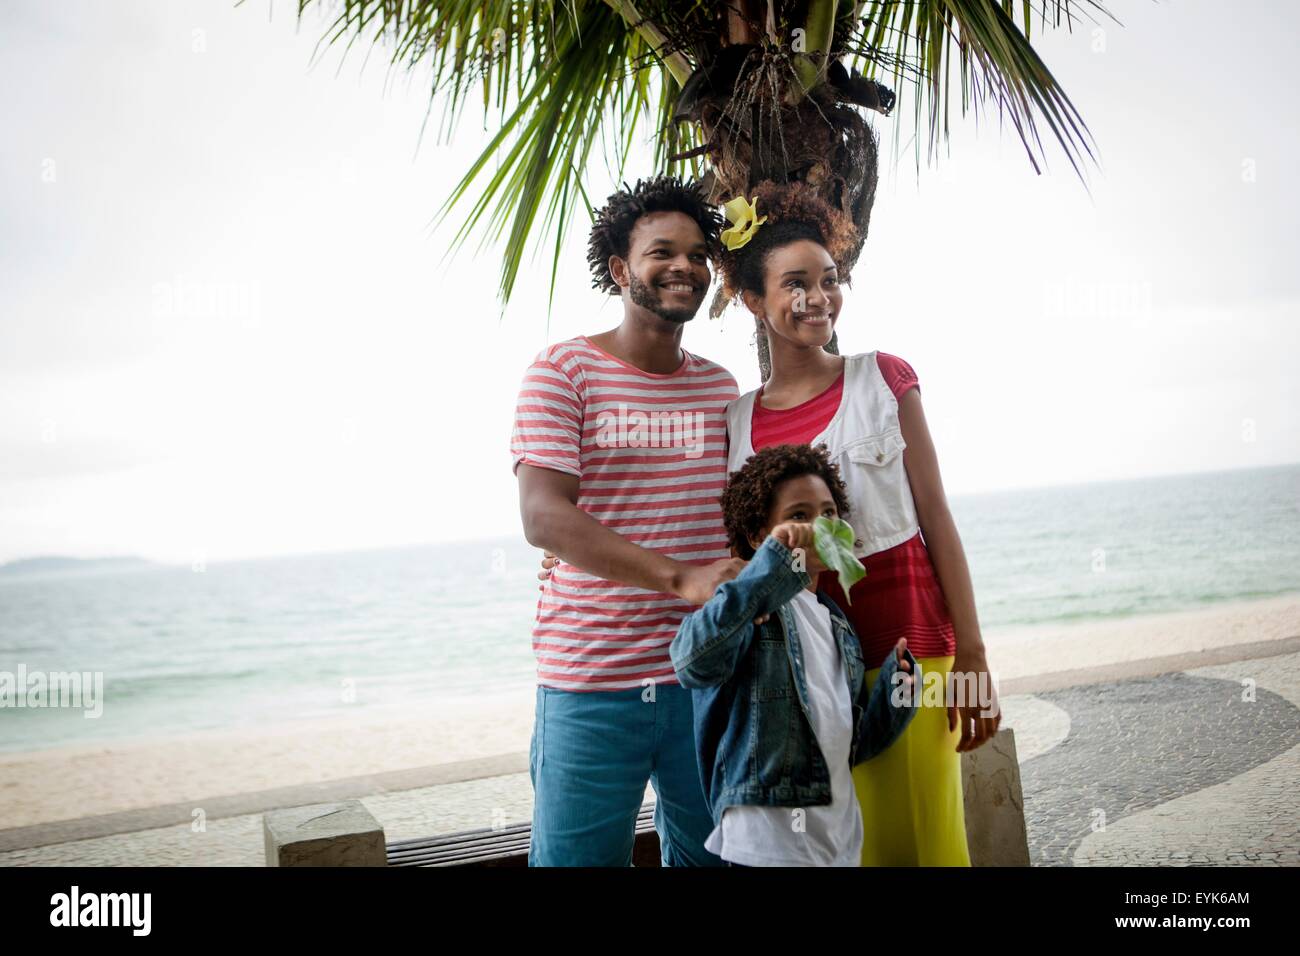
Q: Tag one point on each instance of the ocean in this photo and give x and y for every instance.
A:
(244, 643)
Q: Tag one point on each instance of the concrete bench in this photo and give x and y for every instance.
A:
(995, 805)
(324, 834)
(345, 834)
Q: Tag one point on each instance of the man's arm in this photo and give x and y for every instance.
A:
(711, 641)
(554, 522)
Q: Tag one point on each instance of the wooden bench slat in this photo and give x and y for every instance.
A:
(468, 836)
(462, 859)
(486, 838)
(487, 847)
(442, 853)
(464, 845)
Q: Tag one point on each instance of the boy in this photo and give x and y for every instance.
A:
(782, 711)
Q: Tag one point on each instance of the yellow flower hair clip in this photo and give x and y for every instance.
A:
(744, 222)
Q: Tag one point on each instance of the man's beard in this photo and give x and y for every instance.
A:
(648, 298)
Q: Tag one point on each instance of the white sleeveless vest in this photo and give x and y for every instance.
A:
(866, 442)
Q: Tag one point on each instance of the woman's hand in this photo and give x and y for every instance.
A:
(549, 561)
(979, 719)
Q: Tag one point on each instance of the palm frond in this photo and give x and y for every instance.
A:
(577, 78)
(908, 43)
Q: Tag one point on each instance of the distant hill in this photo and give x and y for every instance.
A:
(54, 564)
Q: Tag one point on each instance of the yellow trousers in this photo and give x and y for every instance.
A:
(911, 794)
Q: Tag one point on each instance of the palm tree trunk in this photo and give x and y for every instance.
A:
(767, 112)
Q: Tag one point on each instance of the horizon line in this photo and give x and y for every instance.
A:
(119, 555)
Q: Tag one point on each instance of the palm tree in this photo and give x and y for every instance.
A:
(741, 91)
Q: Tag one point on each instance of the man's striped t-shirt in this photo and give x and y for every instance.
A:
(649, 451)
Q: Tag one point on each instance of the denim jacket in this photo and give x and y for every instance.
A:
(753, 739)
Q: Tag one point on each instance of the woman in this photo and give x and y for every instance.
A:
(867, 409)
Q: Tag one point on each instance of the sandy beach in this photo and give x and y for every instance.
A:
(75, 782)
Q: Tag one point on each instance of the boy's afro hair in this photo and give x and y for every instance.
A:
(611, 230)
(747, 498)
(794, 211)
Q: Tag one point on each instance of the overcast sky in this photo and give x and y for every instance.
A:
(225, 330)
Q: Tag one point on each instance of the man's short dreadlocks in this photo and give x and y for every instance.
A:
(747, 499)
(611, 232)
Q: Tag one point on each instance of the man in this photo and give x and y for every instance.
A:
(619, 447)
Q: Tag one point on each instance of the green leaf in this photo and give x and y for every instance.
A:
(833, 539)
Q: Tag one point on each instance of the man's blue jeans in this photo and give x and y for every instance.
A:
(591, 755)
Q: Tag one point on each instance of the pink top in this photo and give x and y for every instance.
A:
(649, 451)
(900, 596)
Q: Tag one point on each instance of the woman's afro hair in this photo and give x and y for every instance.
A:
(611, 231)
(747, 499)
(794, 211)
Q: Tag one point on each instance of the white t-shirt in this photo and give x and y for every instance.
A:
(829, 835)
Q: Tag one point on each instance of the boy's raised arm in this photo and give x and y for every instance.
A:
(710, 641)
